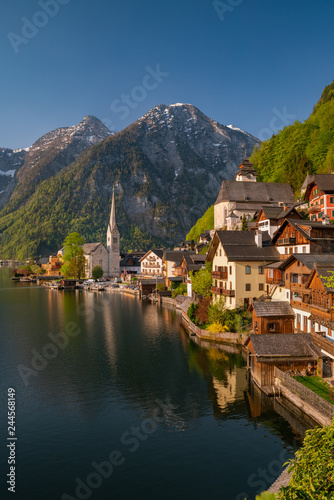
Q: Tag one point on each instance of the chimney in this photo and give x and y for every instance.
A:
(285, 207)
(325, 220)
(258, 238)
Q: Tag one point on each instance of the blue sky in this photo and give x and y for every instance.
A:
(242, 62)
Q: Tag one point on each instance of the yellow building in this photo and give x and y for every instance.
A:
(238, 259)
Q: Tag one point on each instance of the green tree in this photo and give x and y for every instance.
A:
(244, 223)
(74, 258)
(35, 269)
(97, 272)
(202, 281)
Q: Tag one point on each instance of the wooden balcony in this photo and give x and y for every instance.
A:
(287, 241)
(222, 291)
(219, 275)
(298, 304)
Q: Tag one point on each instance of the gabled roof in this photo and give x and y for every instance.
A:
(275, 308)
(308, 259)
(89, 248)
(276, 213)
(175, 255)
(158, 253)
(324, 271)
(305, 228)
(241, 246)
(256, 192)
(325, 182)
(292, 345)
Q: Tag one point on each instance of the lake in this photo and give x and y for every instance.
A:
(114, 400)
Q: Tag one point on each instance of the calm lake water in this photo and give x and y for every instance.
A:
(179, 421)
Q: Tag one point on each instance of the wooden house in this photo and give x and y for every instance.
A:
(151, 263)
(272, 317)
(293, 353)
(318, 191)
(302, 236)
(270, 218)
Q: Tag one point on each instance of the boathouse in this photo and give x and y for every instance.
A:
(295, 354)
(272, 317)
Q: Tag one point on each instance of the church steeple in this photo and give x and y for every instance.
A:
(112, 222)
(113, 241)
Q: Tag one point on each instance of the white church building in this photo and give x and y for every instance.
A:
(96, 254)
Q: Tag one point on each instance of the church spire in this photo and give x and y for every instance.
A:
(112, 222)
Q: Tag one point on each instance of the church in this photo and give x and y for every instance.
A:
(96, 254)
(244, 197)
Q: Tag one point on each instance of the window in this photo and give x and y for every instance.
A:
(298, 318)
(261, 287)
(332, 199)
(272, 327)
(305, 321)
(286, 250)
(260, 270)
(248, 287)
(248, 269)
(298, 263)
(295, 250)
(321, 201)
(291, 250)
(230, 269)
(287, 295)
(270, 273)
(332, 213)
(304, 249)
(320, 214)
(220, 253)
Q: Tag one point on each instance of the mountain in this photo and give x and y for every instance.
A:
(47, 156)
(301, 147)
(10, 161)
(167, 168)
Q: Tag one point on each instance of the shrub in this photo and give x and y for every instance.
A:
(217, 311)
(161, 287)
(191, 312)
(217, 328)
(97, 272)
(180, 290)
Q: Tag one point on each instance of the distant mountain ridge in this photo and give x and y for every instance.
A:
(50, 154)
(167, 168)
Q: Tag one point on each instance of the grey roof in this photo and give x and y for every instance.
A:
(325, 182)
(305, 227)
(125, 261)
(260, 192)
(240, 245)
(88, 248)
(275, 308)
(274, 265)
(285, 344)
(277, 212)
(159, 253)
(308, 259)
(174, 255)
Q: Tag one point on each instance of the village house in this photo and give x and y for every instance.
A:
(191, 262)
(272, 317)
(96, 255)
(246, 197)
(288, 282)
(318, 191)
(238, 259)
(171, 260)
(293, 353)
(53, 266)
(130, 263)
(303, 236)
(270, 218)
(152, 262)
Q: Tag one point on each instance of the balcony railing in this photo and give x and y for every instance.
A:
(287, 241)
(222, 291)
(219, 275)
